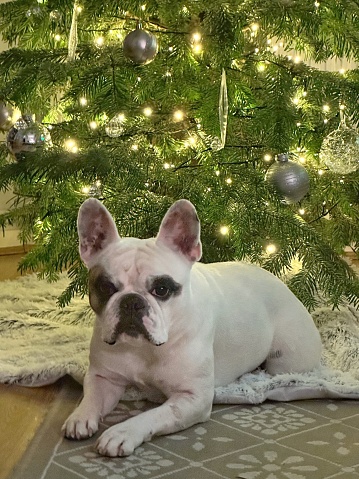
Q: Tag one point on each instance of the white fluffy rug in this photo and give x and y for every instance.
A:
(39, 343)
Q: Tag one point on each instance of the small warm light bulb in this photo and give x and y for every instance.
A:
(71, 146)
(326, 108)
(197, 48)
(255, 27)
(224, 230)
(218, 172)
(325, 121)
(304, 93)
(134, 147)
(342, 107)
(57, 37)
(93, 125)
(271, 248)
(320, 172)
(143, 7)
(342, 71)
(147, 111)
(79, 9)
(229, 181)
(261, 67)
(301, 211)
(267, 157)
(83, 101)
(196, 37)
(295, 101)
(85, 190)
(178, 115)
(302, 159)
(297, 59)
(166, 166)
(191, 141)
(99, 41)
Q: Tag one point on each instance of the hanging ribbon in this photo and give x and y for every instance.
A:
(223, 109)
(72, 44)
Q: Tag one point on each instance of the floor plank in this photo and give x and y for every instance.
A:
(22, 411)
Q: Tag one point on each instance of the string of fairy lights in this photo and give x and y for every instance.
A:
(195, 138)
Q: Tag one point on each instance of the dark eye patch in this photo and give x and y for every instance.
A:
(163, 287)
(101, 288)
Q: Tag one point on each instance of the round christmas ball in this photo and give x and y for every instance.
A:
(289, 179)
(26, 135)
(6, 113)
(340, 150)
(114, 127)
(140, 46)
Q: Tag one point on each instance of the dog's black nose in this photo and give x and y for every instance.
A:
(132, 302)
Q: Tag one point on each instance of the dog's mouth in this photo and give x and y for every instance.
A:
(132, 336)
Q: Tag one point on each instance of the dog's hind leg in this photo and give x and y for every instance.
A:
(295, 350)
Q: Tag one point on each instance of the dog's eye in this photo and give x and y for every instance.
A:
(161, 291)
(164, 287)
(107, 288)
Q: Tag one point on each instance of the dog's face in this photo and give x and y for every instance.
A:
(138, 286)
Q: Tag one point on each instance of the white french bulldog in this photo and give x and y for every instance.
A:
(170, 325)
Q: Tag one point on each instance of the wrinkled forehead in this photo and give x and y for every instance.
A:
(133, 260)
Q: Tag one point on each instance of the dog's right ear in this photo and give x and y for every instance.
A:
(96, 229)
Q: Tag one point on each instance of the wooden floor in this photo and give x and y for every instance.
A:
(22, 409)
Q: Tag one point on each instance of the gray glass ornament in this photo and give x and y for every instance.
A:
(26, 135)
(114, 127)
(140, 46)
(288, 178)
(55, 15)
(340, 150)
(6, 113)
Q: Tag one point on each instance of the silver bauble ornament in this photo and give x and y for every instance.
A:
(55, 15)
(26, 135)
(140, 46)
(340, 150)
(114, 127)
(6, 113)
(288, 178)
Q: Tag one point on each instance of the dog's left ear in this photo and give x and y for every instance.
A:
(180, 230)
(96, 229)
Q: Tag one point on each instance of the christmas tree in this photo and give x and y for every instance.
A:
(140, 104)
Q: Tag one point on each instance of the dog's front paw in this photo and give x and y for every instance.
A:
(119, 440)
(79, 427)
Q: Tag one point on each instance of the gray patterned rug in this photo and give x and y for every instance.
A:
(297, 440)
